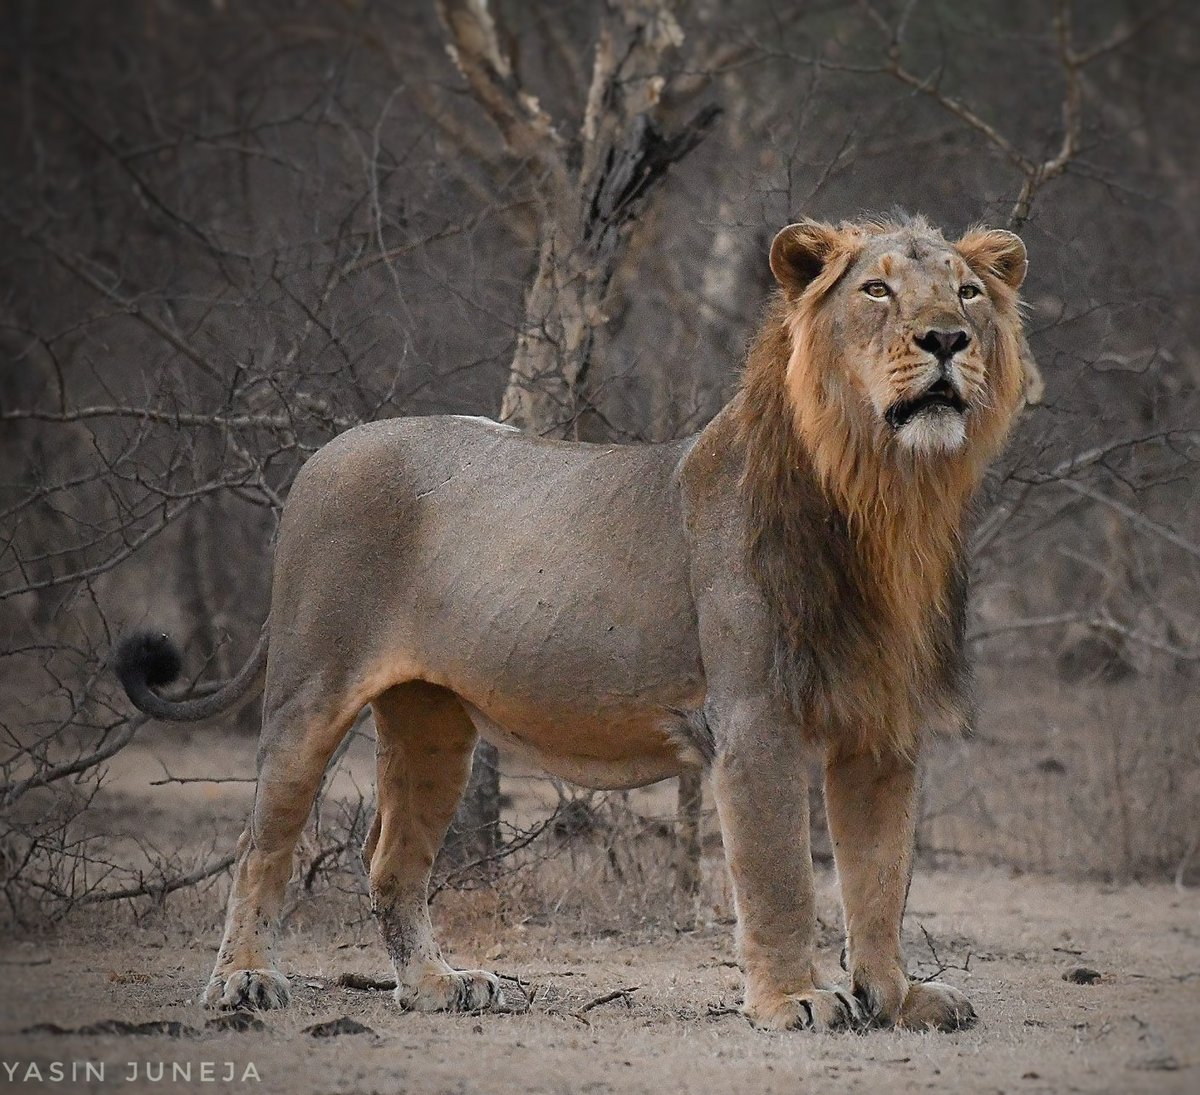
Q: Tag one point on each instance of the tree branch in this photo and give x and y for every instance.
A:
(473, 42)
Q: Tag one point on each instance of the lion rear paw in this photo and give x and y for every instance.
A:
(259, 989)
(451, 990)
(933, 1005)
(816, 1009)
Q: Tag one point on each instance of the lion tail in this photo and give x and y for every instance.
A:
(147, 660)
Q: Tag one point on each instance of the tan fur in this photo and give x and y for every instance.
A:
(789, 580)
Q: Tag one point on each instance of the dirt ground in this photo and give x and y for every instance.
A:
(672, 1025)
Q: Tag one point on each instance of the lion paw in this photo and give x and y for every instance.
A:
(881, 994)
(816, 1009)
(260, 989)
(932, 1005)
(451, 990)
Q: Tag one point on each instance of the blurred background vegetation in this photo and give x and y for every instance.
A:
(234, 229)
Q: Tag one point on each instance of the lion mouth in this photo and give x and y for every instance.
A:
(939, 397)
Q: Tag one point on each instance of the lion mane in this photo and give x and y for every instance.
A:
(858, 551)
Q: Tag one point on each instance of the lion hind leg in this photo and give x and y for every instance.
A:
(424, 744)
(297, 742)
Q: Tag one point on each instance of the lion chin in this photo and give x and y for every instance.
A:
(933, 431)
(787, 585)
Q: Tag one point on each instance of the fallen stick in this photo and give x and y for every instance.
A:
(607, 998)
(364, 983)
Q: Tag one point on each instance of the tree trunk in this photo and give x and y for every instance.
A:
(545, 383)
(474, 835)
(687, 845)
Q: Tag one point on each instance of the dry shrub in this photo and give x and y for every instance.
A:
(609, 867)
(1096, 779)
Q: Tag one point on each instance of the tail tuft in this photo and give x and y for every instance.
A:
(147, 659)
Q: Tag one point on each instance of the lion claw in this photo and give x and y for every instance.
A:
(239, 990)
(452, 990)
(820, 1010)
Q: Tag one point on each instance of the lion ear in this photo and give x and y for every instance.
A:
(997, 252)
(799, 254)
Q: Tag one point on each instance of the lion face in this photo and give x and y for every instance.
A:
(906, 335)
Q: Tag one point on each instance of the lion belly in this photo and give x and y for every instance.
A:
(546, 584)
(646, 750)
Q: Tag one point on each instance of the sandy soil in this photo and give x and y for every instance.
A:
(1134, 1030)
(673, 1030)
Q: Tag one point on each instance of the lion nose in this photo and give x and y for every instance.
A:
(943, 344)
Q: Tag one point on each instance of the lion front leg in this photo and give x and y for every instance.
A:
(871, 803)
(761, 791)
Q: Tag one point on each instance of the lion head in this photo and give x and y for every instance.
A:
(903, 344)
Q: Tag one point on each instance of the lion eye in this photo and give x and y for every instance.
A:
(969, 292)
(876, 290)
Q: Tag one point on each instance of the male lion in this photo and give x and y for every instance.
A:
(790, 579)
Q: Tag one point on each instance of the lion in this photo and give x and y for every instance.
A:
(789, 582)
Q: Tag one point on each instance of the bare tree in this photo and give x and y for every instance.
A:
(592, 175)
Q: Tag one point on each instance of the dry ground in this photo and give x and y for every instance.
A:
(1137, 1029)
